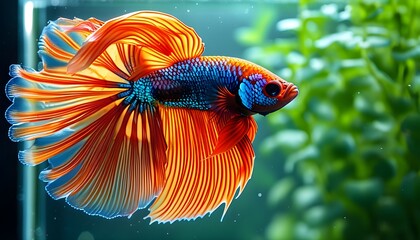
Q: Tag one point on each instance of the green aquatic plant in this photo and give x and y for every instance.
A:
(350, 143)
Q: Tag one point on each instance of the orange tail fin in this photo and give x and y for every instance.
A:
(105, 157)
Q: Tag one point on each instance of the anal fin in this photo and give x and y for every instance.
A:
(197, 183)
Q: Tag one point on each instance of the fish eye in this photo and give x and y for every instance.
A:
(272, 89)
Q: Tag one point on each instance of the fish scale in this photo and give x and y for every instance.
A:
(189, 84)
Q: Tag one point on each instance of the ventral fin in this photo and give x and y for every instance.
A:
(163, 40)
(234, 126)
(235, 129)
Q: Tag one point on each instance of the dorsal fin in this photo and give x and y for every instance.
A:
(163, 40)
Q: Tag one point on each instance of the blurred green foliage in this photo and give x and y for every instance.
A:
(351, 140)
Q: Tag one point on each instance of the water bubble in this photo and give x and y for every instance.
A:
(188, 10)
(259, 194)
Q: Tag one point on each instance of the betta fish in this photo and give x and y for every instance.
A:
(129, 115)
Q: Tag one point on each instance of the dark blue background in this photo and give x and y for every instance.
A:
(8, 151)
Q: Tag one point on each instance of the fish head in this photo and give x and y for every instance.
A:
(264, 93)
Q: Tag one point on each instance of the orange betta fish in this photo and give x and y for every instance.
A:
(128, 111)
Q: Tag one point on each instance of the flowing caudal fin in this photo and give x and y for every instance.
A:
(105, 157)
(106, 153)
(198, 183)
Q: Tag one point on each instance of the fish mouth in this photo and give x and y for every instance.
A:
(289, 94)
(285, 97)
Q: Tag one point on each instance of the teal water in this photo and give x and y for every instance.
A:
(218, 24)
(340, 162)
